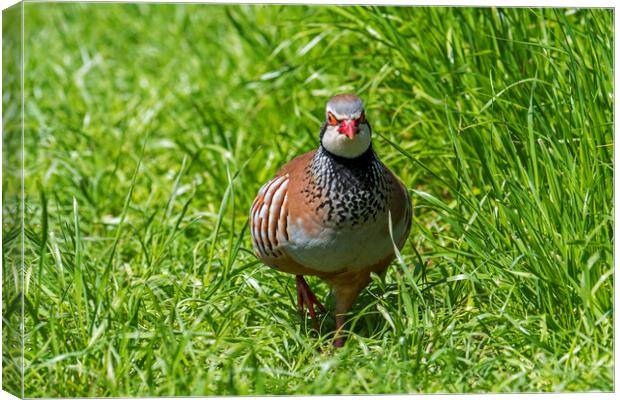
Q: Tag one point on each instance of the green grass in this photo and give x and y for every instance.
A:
(150, 128)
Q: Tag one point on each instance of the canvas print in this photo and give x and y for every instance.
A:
(210, 199)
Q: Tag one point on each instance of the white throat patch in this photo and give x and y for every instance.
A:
(339, 144)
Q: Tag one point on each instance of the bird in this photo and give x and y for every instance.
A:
(327, 212)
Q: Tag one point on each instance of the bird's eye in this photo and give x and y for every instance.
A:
(362, 118)
(331, 119)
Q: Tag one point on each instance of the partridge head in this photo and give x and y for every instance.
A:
(346, 133)
(325, 213)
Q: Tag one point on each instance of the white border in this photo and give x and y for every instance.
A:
(446, 3)
(480, 3)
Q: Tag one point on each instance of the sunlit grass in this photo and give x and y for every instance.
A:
(149, 129)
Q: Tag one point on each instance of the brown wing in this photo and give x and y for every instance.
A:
(401, 208)
(408, 216)
(269, 214)
(269, 218)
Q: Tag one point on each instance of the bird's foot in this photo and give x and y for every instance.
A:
(306, 297)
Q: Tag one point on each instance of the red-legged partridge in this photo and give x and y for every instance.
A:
(325, 213)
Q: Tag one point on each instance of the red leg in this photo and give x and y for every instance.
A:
(300, 299)
(346, 290)
(339, 338)
(314, 300)
(307, 298)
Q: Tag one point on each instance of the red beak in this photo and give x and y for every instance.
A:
(349, 129)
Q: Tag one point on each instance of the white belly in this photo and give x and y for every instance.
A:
(352, 248)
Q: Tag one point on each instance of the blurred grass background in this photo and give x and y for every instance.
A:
(149, 129)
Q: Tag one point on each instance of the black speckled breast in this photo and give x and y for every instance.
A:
(347, 192)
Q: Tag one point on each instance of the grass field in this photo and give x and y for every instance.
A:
(150, 128)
